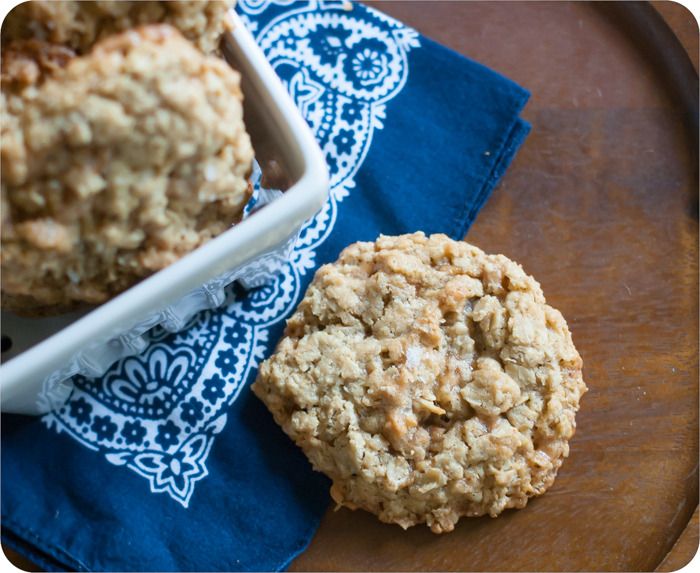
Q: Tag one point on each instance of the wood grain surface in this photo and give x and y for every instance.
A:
(601, 206)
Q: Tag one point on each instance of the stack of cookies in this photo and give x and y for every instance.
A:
(123, 149)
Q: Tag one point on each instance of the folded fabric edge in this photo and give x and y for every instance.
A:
(508, 149)
(305, 542)
(513, 138)
(43, 557)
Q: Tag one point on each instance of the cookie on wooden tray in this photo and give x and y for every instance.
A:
(115, 165)
(78, 24)
(428, 380)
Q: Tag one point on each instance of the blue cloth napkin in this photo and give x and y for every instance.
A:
(169, 462)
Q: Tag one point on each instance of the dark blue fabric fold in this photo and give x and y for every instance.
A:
(169, 462)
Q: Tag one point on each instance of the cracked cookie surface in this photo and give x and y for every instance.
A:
(78, 24)
(428, 380)
(114, 164)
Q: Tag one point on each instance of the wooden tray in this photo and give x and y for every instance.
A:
(601, 206)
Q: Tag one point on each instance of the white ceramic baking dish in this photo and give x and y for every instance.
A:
(46, 352)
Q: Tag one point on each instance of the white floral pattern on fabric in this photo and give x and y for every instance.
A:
(158, 413)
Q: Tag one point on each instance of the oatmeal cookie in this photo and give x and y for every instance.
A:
(27, 63)
(118, 164)
(78, 24)
(428, 380)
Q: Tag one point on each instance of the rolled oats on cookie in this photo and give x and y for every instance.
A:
(79, 24)
(114, 164)
(428, 380)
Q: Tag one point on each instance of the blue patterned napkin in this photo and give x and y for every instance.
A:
(168, 462)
